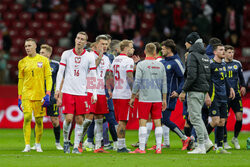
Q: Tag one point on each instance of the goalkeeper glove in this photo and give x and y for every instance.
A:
(20, 103)
(46, 99)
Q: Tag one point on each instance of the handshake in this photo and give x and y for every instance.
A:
(45, 101)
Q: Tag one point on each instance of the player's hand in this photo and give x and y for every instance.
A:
(174, 94)
(110, 94)
(46, 100)
(131, 102)
(57, 93)
(93, 99)
(243, 91)
(20, 104)
(232, 94)
(164, 105)
(59, 102)
(182, 96)
(136, 58)
(208, 101)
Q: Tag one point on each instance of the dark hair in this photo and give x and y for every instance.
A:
(158, 47)
(216, 46)
(169, 43)
(213, 41)
(229, 47)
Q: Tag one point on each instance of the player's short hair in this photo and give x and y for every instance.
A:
(101, 37)
(213, 41)
(47, 48)
(169, 43)
(108, 36)
(83, 33)
(229, 47)
(158, 47)
(93, 44)
(30, 39)
(114, 44)
(216, 46)
(150, 48)
(125, 43)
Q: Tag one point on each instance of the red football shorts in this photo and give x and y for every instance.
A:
(146, 108)
(134, 110)
(101, 105)
(74, 104)
(122, 109)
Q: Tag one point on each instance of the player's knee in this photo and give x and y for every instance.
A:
(27, 117)
(39, 121)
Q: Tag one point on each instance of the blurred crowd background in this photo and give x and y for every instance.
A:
(56, 22)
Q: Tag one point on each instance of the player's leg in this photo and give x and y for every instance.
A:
(110, 117)
(166, 120)
(78, 133)
(238, 110)
(226, 145)
(57, 131)
(68, 118)
(27, 112)
(214, 113)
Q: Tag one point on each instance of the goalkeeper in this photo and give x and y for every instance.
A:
(33, 72)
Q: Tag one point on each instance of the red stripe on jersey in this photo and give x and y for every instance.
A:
(122, 54)
(93, 68)
(129, 71)
(62, 64)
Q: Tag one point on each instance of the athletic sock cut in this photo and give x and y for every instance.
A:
(142, 137)
(237, 128)
(57, 133)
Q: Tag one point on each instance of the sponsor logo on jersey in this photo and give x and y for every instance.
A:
(40, 64)
(235, 67)
(168, 66)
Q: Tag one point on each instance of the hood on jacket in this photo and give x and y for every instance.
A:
(209, 51)
(198, 46)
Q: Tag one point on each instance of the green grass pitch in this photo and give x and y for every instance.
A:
(12, 143)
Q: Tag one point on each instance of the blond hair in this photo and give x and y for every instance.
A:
(83, 33)
(125, 43)
(150, 48)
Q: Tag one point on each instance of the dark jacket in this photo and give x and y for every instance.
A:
(197, 74)
(210, 52)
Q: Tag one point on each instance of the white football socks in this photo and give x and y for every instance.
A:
(66, 128)
(99, 133)
(142, 137)
(149, 126)
(166, 140)
(121, 143)
(78, 134)
(158, 137)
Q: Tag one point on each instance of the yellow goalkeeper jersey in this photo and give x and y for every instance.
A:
(33, 71)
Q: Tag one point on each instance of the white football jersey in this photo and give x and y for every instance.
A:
(101, 70)
(120, 66)
(76, 70)
(158, 58)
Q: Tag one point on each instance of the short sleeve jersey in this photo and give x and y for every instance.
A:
(33, 71)
(76, 70)
(120, 66)
(101, 70)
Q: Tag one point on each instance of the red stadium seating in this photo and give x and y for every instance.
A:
(14, 51)
(56, 17)
(13, 33)
(9, 16)
(3, 8)
(58, 51)
(16, 7)
(50, 25)
(35, 25)
(18, 42)
(51, 41)
(28, 34)
(65, 26)
(19, 25)
(41, 16)
(24, 16)
(41, 33)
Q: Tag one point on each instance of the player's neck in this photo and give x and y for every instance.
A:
(79, 50)
(217, 59)
(124, 53)
(32, 55)
(150, 57)
(170, 55)
(227, 60)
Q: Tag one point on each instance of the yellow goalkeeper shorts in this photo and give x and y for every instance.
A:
(34, 105)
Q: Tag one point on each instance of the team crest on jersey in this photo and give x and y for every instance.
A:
(168, 66)
(77, 59)
(216, 69)
(40, 64)
(229, 67)
(224, 68)
(235, 67)
(51, 69)
(214, 112)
